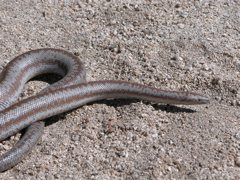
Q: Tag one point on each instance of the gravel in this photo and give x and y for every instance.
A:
(186, 45)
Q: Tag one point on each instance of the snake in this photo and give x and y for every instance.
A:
(70, 92)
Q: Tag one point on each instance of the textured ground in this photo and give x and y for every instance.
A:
(192, 45)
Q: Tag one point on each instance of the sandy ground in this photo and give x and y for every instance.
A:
(192, 45)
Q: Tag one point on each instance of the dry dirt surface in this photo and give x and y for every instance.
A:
(189, 45)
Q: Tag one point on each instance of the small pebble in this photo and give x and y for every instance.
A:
(237, 63)
(181, 26)
(237, 161)
(238, 102)
(206, 67)
(237, 136)
(233, 102)
(218, 98)
(183, 14)
(216, 81)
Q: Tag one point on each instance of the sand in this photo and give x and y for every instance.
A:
(190, 46)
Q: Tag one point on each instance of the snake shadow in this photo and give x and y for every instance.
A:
(163, 107)
(123, 102)
(49, 78)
